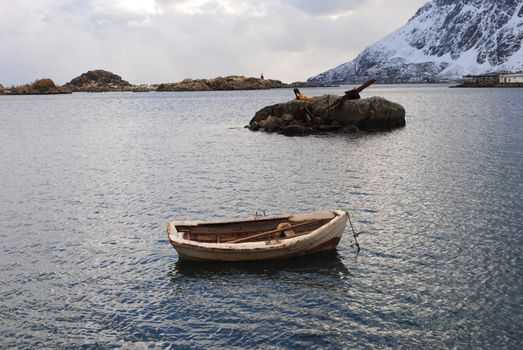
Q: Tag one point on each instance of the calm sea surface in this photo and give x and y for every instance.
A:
(89, 181)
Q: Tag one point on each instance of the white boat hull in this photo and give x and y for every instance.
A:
(324, 238)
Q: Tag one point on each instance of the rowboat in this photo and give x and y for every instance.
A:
(257, 238)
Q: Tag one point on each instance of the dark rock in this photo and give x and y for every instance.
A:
(326, 124)
(270, 129)
(271, 122)
(2, 89)
(371, 114)
(349, 129)
(293, 130)
(287, 117)
(295, 108)
(328, 127)
(296, 122)
(254, 126)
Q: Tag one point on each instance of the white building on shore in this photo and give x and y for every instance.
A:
(508, 78)
(499, 79)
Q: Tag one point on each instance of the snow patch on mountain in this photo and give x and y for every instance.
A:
(445, 40)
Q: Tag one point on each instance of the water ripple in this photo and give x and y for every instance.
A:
(90, 180)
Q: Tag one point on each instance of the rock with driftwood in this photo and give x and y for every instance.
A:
(308, 117)
(329, 113)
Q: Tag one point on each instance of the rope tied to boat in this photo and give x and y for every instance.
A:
(354, 234)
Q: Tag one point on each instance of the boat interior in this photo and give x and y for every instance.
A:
(256, 230)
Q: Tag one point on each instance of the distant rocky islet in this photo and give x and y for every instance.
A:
(233, 82)
(38, 87)
(104, 81)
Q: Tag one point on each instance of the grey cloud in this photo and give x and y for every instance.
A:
(325, 7)
(280, 39)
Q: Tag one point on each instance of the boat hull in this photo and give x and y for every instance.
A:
(324, 238)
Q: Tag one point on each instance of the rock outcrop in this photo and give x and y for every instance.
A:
(98, 81)
(233, 82)
(2, 89)
(298, 117)
(38, 87)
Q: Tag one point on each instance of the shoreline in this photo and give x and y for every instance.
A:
(479, 86)
(104, 81)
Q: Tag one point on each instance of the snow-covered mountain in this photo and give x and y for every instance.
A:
(445, 40)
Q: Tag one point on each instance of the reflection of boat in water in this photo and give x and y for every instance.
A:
(326, 264)
(258, 238)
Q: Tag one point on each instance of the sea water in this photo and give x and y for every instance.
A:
(89, 181)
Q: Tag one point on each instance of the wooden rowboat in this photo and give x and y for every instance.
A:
(257, 238)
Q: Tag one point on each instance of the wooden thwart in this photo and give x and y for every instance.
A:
(274, 231)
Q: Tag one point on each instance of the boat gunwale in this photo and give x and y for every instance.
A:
(232, 221)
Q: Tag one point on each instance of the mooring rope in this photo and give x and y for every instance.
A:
(354, 234)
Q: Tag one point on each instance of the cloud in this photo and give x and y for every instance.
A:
(168, 40)
(325, 7)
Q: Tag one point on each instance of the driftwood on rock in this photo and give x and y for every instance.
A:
(294, 117)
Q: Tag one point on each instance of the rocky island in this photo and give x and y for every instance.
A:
(233, 82)
(98, 81)
(329, 113)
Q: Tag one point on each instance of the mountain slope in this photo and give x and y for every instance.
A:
(445, 40)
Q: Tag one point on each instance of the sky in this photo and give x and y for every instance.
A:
(155, 41)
